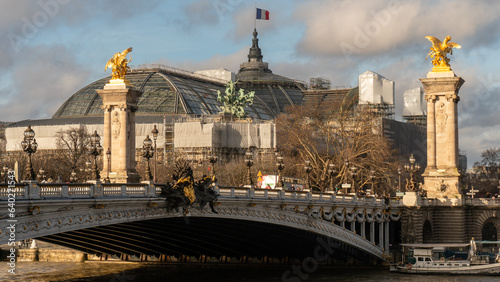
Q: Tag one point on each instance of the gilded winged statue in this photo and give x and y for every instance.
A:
(118, 64)
(438, 52)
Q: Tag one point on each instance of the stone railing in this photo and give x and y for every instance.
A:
(277, 194)
(33, 190)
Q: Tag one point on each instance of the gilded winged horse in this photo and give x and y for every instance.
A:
(118, 64)
(439, 50)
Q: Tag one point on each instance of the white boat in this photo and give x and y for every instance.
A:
(448, 259)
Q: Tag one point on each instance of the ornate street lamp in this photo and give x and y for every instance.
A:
(73, 177)
(399, 180)
(87, 169)
(331, 172)
(108, 156)
(412, 168)
(280, 165)
(29, 146)
(155, 136)
(307, 169)
(249, 164)
(147, 152)
(353, 174)
(4, 174)
(95, 150)
(213, 159)
(372, 179)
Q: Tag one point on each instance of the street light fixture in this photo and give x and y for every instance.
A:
(307, 169)
(5, 173)
(372, 179)
(155, 136)
(280, 165)
(412, 168)
(249, 164)
(213, 159)
(108, 156)
(399, 180)
(73, 177)
(147, 152)
(95, 150)
(353, 174)
(331, 172)
(29, 146)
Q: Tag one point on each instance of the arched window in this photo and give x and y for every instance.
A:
(489, 232)
(427, 232)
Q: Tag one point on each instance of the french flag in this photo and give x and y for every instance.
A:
(262, 14)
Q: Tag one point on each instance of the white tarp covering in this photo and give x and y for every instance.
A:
(375, 89)
(414, 102)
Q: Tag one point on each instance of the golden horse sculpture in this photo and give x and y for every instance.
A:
(119, 66)
(438, 53)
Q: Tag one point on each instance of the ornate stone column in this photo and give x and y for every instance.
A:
(119, 104)
(441, 177)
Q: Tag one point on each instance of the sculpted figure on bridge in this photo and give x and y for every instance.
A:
(185, 192)
(438, 53)
(119, 66)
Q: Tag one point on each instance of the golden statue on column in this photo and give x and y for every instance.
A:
(438, 53)
(119, 66)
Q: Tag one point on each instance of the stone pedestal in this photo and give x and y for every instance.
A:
(441, 177)
(119, 105)
(411, 199)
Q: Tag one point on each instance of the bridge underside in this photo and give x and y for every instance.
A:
(214, 237)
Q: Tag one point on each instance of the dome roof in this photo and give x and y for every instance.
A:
(165, 91)
(275, 90)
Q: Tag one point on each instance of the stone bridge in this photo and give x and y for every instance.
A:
(132, 219)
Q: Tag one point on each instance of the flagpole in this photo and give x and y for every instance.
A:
(255, 18)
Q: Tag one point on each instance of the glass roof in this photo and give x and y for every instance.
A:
(164, 92)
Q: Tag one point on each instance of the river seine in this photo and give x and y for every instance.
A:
(119, 271)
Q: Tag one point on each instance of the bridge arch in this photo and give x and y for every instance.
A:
(487, 224)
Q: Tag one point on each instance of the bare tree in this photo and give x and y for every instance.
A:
(73, 143)
(347, 135)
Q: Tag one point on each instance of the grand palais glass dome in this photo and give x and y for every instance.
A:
(166, 91)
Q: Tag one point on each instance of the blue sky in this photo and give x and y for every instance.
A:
(52, 48)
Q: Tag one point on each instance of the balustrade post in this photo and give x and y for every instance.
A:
(65, 191)
(33, 189)
(232, 192)
(150, 190)
(124, 191)
(251, 193)
(96, 190)
(282, 194)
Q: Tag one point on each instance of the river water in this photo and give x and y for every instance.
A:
(123, 271)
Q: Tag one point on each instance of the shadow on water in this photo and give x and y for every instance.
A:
(118, 271)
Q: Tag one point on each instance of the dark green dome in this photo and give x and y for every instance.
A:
(166, 91)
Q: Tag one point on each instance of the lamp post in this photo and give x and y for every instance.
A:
(5, 173)
(29, 146)
(155, 136)
(108, 156)
(249, 164)
(213, 159)
(280, 165)
(73, 177)
(353, 174)
(147, 152)
(87, 169)
(412, 168)
(307, 169)
(331, 172)
(372, 179)
(399, 181)
(95, 150)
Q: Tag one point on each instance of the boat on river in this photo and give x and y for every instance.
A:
(449, 259)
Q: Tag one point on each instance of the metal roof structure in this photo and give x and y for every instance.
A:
(165, 91)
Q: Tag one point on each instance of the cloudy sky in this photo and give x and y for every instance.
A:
(52, 48)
